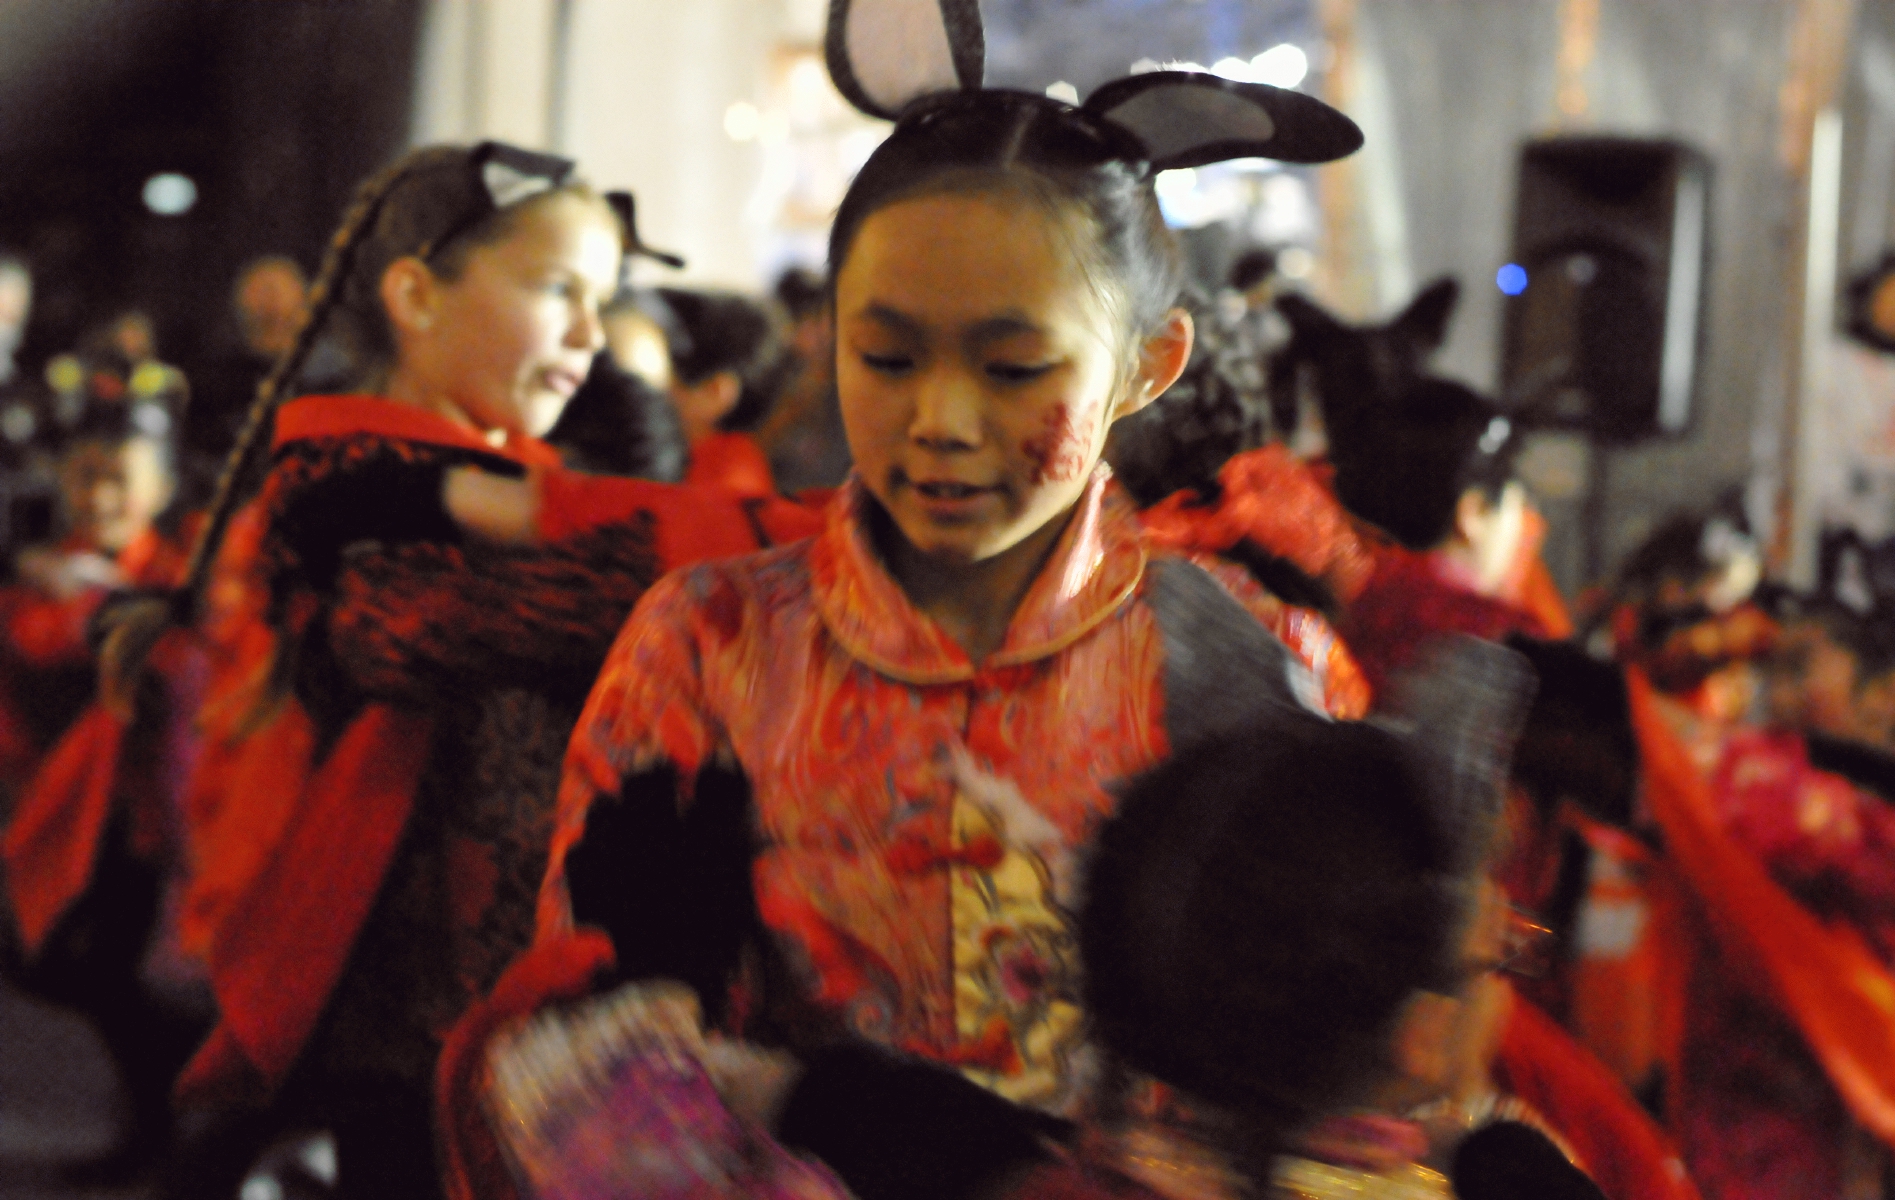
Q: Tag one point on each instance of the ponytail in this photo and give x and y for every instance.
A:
(132, 629)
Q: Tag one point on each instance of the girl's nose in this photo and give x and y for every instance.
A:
(948, 410)
(588, 331)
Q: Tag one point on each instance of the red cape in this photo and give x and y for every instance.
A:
(281, 942)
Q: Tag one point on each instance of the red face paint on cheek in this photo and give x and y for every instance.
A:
(1058, 451)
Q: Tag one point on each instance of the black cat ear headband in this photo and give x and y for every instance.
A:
(501, 176)
(886, 54)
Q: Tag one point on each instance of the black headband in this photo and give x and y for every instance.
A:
(627, 209)
(893, 57)
(500, 176)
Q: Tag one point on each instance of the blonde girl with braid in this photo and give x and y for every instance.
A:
(430, 596)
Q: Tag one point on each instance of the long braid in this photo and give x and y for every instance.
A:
(135, 627)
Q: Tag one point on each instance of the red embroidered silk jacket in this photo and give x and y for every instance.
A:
(909, 820)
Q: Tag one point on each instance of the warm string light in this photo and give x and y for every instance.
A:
(1284, 65)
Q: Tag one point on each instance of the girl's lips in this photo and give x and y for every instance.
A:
(563, 382)
(952, 501)
(948, 489)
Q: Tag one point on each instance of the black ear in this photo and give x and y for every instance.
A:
(1306, 317)
(1424, 323)
(1189, 118)
(884, 53)
(626, 207)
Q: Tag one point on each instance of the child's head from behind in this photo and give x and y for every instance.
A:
(1274, 923)
(1437, 469)
(483, 309)
(723, 348)
(1003, 286)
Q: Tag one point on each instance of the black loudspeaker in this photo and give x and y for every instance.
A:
(1606, 287)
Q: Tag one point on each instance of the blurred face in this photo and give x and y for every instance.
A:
(1811, 681)
(113, 492)
(702, 405)
(506, 345)
(1494, 531)
(638, 346)
(132, 337)
(270, 303)
(16, 300)
(978, 369)
(1444, 1044)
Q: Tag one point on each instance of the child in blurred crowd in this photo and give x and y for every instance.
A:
(435, 595)
(724, 352)
(1435, 474)
(621, 420)
(1777, 946)
(94, 853)
(115, 477)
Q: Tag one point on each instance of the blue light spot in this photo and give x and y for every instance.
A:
(1511, 279)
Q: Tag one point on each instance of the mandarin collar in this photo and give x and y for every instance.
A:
(1095, 566)
(314, 418)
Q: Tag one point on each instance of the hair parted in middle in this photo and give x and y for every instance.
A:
(920, 62)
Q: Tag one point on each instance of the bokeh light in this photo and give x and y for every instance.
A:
(170, 194)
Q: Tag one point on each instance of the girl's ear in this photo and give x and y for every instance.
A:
(1161, 360)
(884, 53)
(410, 295)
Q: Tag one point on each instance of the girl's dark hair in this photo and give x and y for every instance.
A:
(1577, 742)
(1046, 151)
(715, 332)
(617, 424)
(1405, 470)
(429, 203)
(1216, 409)
(1260, 909)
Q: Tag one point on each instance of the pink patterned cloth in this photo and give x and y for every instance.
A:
(612, 1100)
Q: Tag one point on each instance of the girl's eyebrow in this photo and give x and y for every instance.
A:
(989, 329)
(892, 318)
(1000, 328)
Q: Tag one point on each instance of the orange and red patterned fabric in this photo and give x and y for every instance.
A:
(920, 813)
(1274, 499)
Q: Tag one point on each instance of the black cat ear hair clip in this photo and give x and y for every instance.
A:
(627, 209)
(886, 54)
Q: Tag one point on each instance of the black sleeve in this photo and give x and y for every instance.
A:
(900, 1129)
(671, 887)
(384, 500)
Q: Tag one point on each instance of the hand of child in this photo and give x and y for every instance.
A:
(493, 506)
(63, 576)
(752, 1081)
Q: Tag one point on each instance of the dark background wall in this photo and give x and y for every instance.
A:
(274, 108)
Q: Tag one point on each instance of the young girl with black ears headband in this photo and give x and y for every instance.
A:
(432, 595)
(840, 788)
